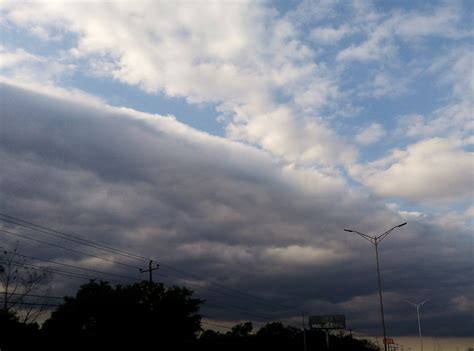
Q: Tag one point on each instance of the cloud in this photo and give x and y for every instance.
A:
(328, 35)
(15, 57)
(262, 72)
(371, 134)
(239, 57)
(385, 33)
(21, 65)
(288, 86)
(213, 207)
(434, 169)
(454, 117)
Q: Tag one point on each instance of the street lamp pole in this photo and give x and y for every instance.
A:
(417, 306)
(376, 240)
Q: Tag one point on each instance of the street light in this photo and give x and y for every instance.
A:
(376, 240)
(417, 306)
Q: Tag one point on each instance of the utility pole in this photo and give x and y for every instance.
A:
(304, 334)
(376, 240)
(417, 306)
(150, 270)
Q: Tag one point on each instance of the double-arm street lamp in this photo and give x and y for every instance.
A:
(376, 240)
(417, 306)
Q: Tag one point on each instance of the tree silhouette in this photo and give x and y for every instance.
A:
(16, 335)
(276, 336)
(242, 330)
(125, 317)
(18, 280)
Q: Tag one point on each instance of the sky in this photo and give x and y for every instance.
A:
(237, 139)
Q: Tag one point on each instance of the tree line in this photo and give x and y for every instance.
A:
(148, 316)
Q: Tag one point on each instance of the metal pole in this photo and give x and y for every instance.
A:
(304, 334)
(419, 326)
(376, 244)
(376, 240)
(417, 306)
(150, 276)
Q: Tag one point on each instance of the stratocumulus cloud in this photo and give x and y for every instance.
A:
(213, 207)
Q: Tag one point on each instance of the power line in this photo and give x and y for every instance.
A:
(216, 325)
(79, 275)
(71, 266)
(268, 317)
(32, 295)
(68, 249)
(135, 256)
(35, 304)
(70, 237)
(229, 306)
(88, 277)
(58, 271)
(247, 295)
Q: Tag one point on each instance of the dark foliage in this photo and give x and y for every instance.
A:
(124, 317)
(277, 337)
(16, 335)
(147, 316)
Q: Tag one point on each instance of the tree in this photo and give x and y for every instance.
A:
(125, 317)
(276, 336)
(18, 281)
(242, 330)
(15, 335)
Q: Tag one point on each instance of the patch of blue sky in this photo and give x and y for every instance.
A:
(384, 6)
(15, 37)
(202, 117)
(283, 6)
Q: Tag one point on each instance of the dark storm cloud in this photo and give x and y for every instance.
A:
(229, 212)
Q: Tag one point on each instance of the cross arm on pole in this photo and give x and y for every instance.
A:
(422, 303)
(150, 270)
(417, 305)
(364, 236)
(384, 235)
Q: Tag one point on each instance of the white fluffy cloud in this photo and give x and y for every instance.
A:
(382, 32)
(24, 66)
(238, 56)
(371, 134)
(431, 170)
(328, 35)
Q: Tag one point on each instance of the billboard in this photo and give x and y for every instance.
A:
(333, 321)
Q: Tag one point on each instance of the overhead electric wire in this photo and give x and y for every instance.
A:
(28, 303)
(72, 266)
(79, 275)
(135, 256)
(89, 277)
(261, 299)
(71, 237)
(61, 272)
(216, 325)
(230, 306)
(34, 304)
(2, 293)
(68, 249)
